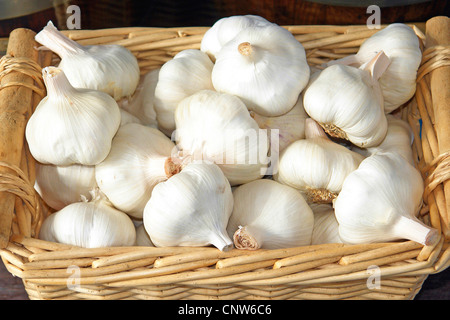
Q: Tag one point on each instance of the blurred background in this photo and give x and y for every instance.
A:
(96, 14)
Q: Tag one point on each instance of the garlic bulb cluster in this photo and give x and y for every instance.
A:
(89, 224)
(348, 103)
(139, 159)
(71, 125)
(217, 127)
(400, 43)
(316, 166)
(265, 66)
(269, 215)
(290, 126)
(326, 226)
(226, 29)
(109, 68)
(399, 139)
(187, 73)
(60, 186)
(380, 201)
(191, 208)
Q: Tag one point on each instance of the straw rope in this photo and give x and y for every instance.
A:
(329, 271)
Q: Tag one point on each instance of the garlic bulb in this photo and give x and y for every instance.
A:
(126, 117)
(141, 103)
(348, 103)
(142, 237)
(139, 159)
(326, 226)
(191, 208)
(400, 43)
(89, 224)
(265, 66)
(59, 186)
(399, 139)
(269, 215)
(316, 165)
(217, 127)
(380, 201)
(225, 29)
(187, 73)
(71, 125)
(290, 126)
(109, 68)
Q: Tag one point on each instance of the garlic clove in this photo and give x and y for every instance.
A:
(380, 202)
(265, 66)
(142, 237)
(83, 123)
(59, 186)
(109, 68)
(90, 224)
(191, 208)
(187, 73)
(269, 215)
(217, 127)
(137, 162)
(326, 226)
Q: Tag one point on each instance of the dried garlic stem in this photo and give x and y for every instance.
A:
(320, 195)
(334, 131)
(245, 48)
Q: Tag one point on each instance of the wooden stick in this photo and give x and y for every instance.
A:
(15, 102)
(438, 34)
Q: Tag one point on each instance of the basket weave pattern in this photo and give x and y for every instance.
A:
(332, 271)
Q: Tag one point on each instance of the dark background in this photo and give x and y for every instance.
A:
(34, 14)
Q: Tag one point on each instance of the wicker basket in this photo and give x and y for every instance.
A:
(332, 271)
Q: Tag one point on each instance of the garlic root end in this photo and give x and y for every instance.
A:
(244, 240)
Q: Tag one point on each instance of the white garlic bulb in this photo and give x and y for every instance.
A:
(191, 208)
(217, 127)
(316, 165)
(399, 139)
(265, 66)
(269, 215)
(400, 43)
(139, 159)
(71, 125)
(187, 73)
(141, 104)
(348, 103)
(59, 186)
(109, 68)
(290, 126)
(89, 224)
(225, 29)
(380, 201)
(326, 226)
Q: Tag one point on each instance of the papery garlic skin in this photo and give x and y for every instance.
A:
(141, 104)
(326, 226)
(92, 224)
(71, 125)
(380, 202)
(109, 68)
(316, 166)
(269, 215)
(225, 29)
(60, 186)
(191, 208)
(265, 67)
(187, 73)
(344, 99)
(217, 127)
(399, 139)
(136, 163)
(401, 45)
(290, 126)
